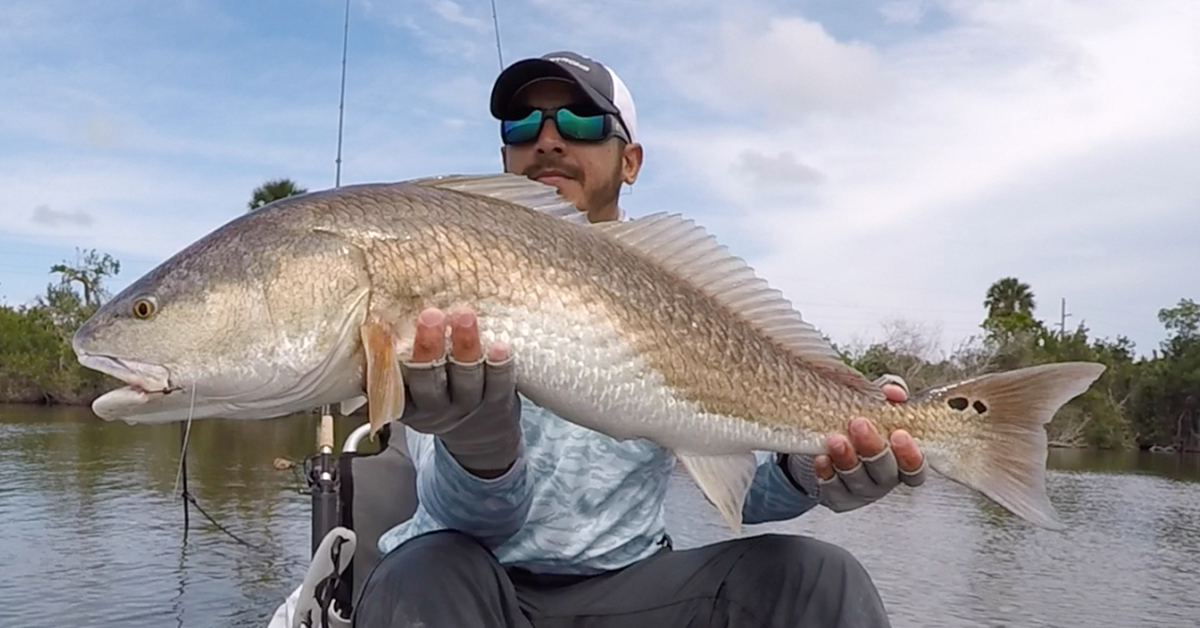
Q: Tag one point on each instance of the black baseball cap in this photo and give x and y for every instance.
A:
(597, 82)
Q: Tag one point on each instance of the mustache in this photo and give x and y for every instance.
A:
(548, 161)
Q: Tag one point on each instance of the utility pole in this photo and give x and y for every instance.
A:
(1062, 324)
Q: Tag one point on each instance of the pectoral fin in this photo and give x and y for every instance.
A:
(385, 386)
(724, 480)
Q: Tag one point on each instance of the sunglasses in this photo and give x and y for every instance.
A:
(570, 125)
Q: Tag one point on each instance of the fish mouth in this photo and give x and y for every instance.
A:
(142, 377)
(145, 383)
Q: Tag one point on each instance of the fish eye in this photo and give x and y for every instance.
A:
(144, 308)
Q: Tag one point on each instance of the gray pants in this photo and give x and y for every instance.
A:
(449, 580)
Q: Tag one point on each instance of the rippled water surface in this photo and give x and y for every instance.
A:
(91, 533)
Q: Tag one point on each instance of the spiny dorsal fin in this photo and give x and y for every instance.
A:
(689, 252)
(512, 188)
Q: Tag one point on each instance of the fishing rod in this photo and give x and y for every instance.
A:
(496, 29)
(324, 479)
(337, 180)
(323, 474)
(319, 592)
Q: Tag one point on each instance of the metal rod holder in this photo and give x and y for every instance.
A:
(323, 482)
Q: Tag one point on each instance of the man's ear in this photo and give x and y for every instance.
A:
(631, 163)
(504, 158)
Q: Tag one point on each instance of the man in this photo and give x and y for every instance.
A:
(527, 520)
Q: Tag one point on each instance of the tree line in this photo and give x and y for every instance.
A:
(1147, 402)
(37, 364)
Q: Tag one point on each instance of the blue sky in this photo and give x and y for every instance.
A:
(875, 161)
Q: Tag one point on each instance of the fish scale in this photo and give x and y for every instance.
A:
(646, 328)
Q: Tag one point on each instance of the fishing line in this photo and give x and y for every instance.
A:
(183, 443)
(295, 562)
(181, 475)
(188, 498)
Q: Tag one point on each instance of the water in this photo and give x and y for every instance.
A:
(91, 533)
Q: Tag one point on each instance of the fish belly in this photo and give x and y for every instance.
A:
(578, 366)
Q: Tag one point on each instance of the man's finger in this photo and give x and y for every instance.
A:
(865, 440)
(823, 467)
(466, 359)
(425, 384)
(837, 496)
(895, 393)
(908, 456)
(497, 352)
(882, 469)
(466, 383)
(841, 452)
(429, 344)
(464, 336)
(501, 377)
(859, 483)
(916, 478)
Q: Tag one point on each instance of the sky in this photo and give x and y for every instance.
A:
(881, 163)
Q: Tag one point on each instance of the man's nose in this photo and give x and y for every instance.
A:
(549, 140)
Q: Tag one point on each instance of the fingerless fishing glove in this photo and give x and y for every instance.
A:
(472, 407)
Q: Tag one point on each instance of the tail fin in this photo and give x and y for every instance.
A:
(1008, 461)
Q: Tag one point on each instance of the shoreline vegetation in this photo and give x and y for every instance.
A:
(1139, 402)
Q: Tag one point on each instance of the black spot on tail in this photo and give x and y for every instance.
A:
(958, 403)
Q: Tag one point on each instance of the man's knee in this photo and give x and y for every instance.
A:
(431, 559)
(804, 578)
(426, 577)
(782, 557)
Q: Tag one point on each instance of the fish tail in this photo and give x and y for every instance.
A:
(1007, 461)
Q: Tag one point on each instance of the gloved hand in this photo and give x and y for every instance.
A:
(865, 468)
(468, 401)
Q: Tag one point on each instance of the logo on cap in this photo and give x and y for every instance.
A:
(569, 61)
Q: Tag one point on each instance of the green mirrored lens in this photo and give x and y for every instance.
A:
(523, 130)
(570, 125)
(577, 127)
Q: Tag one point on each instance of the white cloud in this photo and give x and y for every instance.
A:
(453, 12)
(888, 164)
(904, 11)
(795, 67)
(976, 165)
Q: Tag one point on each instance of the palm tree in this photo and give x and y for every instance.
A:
(274, 190)
(1009, 296)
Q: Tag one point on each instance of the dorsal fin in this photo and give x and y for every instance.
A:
(692, 254)
(513, 188)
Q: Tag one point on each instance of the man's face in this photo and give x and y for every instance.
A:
(587, 174)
